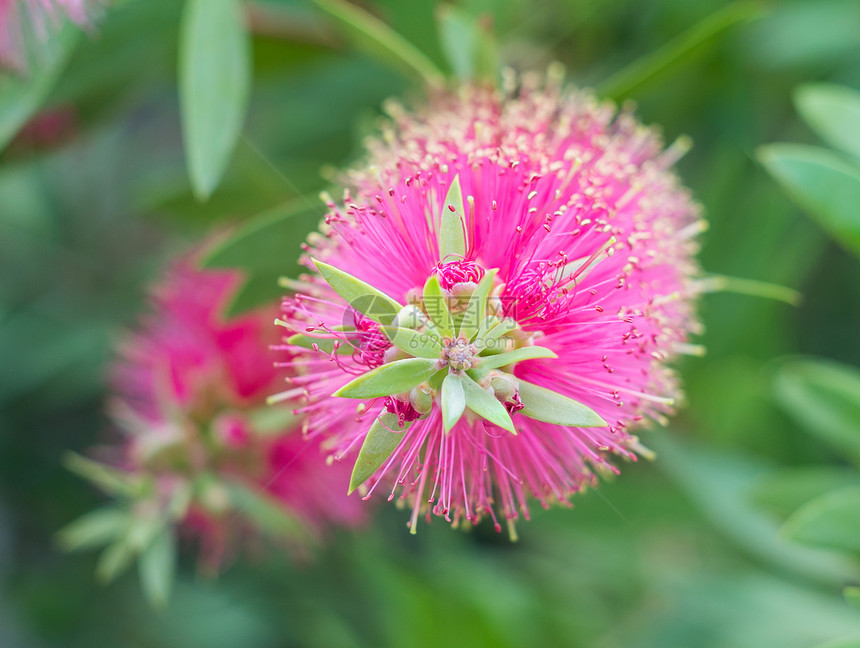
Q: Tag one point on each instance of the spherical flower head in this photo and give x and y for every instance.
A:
(27, 23)
(529, 256)
(191, 395)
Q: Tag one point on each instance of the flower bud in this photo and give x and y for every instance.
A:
(505, 386)
(421, 398)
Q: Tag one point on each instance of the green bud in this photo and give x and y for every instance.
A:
(505, 386)
(421, 398)
(411, 317)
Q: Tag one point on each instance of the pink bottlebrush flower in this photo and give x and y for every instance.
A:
(191, 391)
(23, 20)
(527, 328)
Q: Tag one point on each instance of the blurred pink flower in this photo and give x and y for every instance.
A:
(593, 241)
(23, 20)
(191, 391)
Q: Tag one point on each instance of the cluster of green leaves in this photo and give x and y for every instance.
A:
(824, 182)
(425, 335)
(823, 396)
(129, 528)
(141, 523)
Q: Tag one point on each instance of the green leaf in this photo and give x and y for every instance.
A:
(833, 112)
(786, 490)
(852, 595)
(110, 480)
(452, 225)
(264, 248)
(157, 567)
(453, 400)
(831, 521)
(624, 83)
(267, 513)
(476, 309)
(436, 304)
(94, 529)
(542, 404)
(824, 397)
(718, 484)
(468, 44)
(114, 560)
(822, 183)
(491, 331)
(383, 43)
(22, 96)
(378, 446)
(326, 345)
(414, 342)
(214, 87)
(391, 378)
(517, 355)
(270, 421)
(361, 296)
(484, 404)
(457, 36)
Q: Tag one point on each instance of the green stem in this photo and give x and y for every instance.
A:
(382, 41)
(624, 82)
(721, 283)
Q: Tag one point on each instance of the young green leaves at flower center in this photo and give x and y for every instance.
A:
(451, 348)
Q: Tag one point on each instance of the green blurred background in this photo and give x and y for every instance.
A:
(681, 552)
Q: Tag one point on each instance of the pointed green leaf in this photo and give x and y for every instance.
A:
(457, 36)
(824, 397)
(363, 297)
(822, 183)
(94, 529)
(675, 52)
(831, 521)
(414, 342)
(326, 345)
(452, 226)
(437, 307)
(517, 355)
(157, 567)
(114, 560)
(453, 400)
(468, 45)
(270, 421)
(436, 379)
(545, 405)
(492, 339)
(214, 87)
(183, 493)
(391, 378)
(476, 309)
(484, 404)
(378, 446)
(382, 42)
(265, 511)
(110, 480)
(786, 490)
(833, 112)
(263, 248)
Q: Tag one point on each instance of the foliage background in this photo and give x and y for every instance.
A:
(681, 552)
